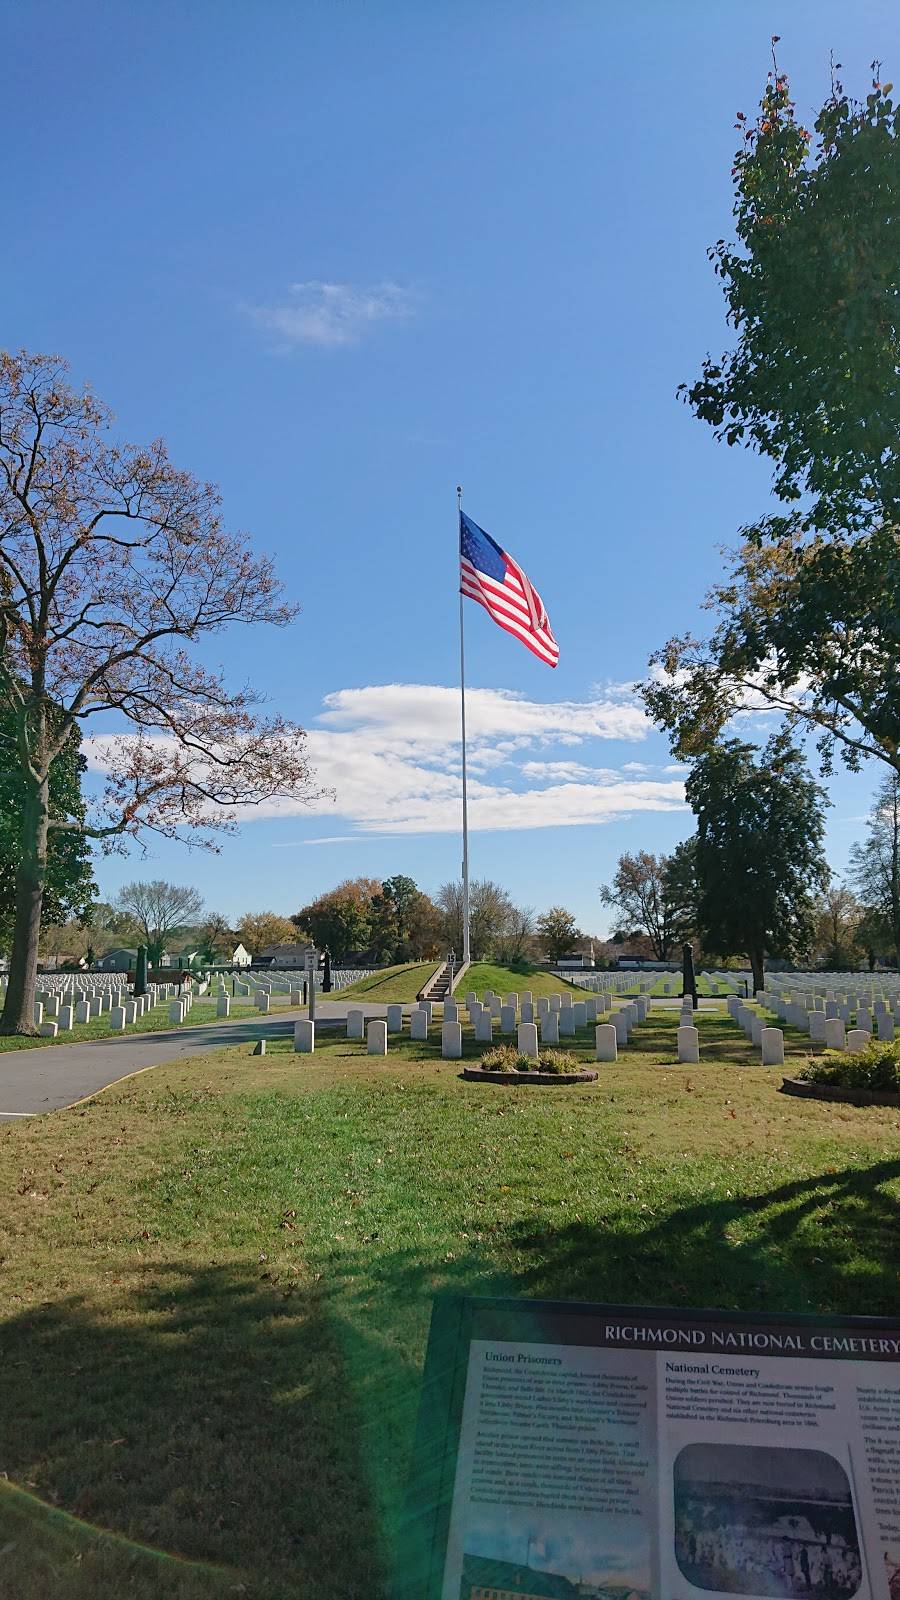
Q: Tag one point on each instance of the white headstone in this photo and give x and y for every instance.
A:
(605, 1047)
(550, 1027)
(688, 1045)
(395, 1019)
(857, 1040)
(484, 1026)
(834, 1034)
(376, 1037)
(223, 1006)
(355, 1025)
(772, 1043)
(508, 1019)
(418, 1023)
(451, 1041)
(527, 1040)
(305, 1037)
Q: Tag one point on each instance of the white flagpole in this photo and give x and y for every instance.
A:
(465, 812)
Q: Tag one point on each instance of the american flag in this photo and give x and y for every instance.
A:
(490, 576)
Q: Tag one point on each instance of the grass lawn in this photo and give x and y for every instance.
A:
(155, 1021)
(392, 983)
(217, 1280)
(511, 980)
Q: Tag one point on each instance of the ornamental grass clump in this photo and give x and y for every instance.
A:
(876, 1067)
(501, 1058)
(556, 1061)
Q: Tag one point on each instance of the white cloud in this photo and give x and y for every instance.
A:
(559, 771)
(429, 713)
(391, 755)
(333, 314)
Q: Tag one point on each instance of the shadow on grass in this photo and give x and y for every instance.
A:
(207, 1414)
(825, 1243)
(239, 1421)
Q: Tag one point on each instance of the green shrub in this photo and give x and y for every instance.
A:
(876, 1067)
(557, 1061)
(525, 1063)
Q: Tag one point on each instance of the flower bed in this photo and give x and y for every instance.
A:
(505, 1064)
(869, 1078)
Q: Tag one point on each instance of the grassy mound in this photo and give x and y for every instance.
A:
(390, 984)
(510, 980)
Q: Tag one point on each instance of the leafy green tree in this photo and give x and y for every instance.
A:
(807, 614)
(69, 886)
(391, 914)
(875, 866)
(558, 932)
(838, 914)
(760, 830)
(342, 919)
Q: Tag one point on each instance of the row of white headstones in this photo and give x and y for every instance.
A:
(64, 1006)
(826, 1013)
(532, 1022)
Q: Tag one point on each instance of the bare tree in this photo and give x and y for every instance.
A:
(645, 894)
(159, 908)
(491, 915)
(111, 563)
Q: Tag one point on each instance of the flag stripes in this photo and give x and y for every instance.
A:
(492, 578)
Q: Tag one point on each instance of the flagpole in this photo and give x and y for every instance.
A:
(465, 809)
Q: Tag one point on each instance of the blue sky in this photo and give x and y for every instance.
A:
(345, 256)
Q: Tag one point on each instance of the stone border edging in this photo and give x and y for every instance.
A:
(480, 1075)
(838, 1092)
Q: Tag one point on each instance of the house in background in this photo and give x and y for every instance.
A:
(285, 955)
(118, 961)
(126, 960)
(240, 957)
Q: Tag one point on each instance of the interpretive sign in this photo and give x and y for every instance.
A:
(590, 1452)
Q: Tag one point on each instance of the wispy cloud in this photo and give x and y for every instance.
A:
(332, 314)
(390, 754)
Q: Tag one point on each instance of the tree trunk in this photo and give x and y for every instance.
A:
(758, 968)
(18, 1012)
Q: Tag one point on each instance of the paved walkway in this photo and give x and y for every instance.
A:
(47, 1079)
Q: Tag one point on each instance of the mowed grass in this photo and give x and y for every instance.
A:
(511, 980)
(155, 1021)
(217, 1279)
(391, 984)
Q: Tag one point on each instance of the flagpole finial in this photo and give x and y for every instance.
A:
(459, 495)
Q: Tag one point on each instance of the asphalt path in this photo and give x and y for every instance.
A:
(49, 1078)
